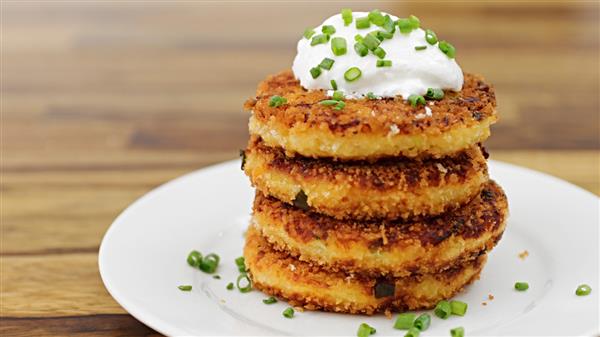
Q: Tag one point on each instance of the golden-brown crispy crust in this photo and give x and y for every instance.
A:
(387, 189)
(313, 288)
(380, 247)
(367, 129)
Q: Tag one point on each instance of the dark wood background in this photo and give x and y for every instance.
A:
(101, 102)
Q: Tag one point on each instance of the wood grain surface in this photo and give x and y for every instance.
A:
(101, 102)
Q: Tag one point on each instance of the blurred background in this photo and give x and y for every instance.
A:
(103, 101)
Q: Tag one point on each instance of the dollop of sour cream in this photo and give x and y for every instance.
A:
(412, 71)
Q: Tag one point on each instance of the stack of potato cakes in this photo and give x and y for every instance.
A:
(379, 205)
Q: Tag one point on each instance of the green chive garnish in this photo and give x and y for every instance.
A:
(371, 96)
(436, 94)
(414, 22)
(583, 290)
(229, 286)
(416, 100)
(209, 263)
(308, 33)
(358, 38)
(458, 308)
(420, 47)
(333, 85)
(371, 41)
(457, 332)
(379, 52)
(389, 25)
(384, 63)
(376, 17)
(347, 16)
(443, 309)
(240, 262)
(404, 321)
(338, 46)
(361, 49)
(412, 332)
(288, 313)
(329, 30)
(326, 64)
(315, 72)
(381, 35)
(521, 286)
(430, 37)
(365, 330)
(329, 102)
(422, 322)
(319, 39)
(194, 258)
(405, 26)
(447, 49)
(217, 277)
(274, 102)
(340, 105)
(338, 95)
(244, 288)
(185, 288)
(352, 74)
(362, 23)
(270, 300)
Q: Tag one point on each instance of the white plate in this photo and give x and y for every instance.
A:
(143, 260)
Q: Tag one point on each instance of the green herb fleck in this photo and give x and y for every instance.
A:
(288, 313)
(583, 290)
(277, 101)
(185, 287)
(365, 330)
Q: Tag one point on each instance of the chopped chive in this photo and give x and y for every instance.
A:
(315, 72)
(436, 94)
(447, 49)
(361, 49)
(217, 277)
(210, 263)
(365, 330)
(379, 52)
(376, 17)
(327, 29)
(338, 95)
(308, 33)
(371, 96)
(333, 85)
(422, 322)
(319, 39)
(277, 101)
(338, 46)
(352, 74)
(229, 286)
(405, 26)
(270, 300)
(358, 38)
(381, 35)
(457, 332)
(404, 321)
(362, 23)
(244, 288)
(420, 47)
(347, 16)
(240, 262)
(371, 41)
(412, 332)
(185, 287)
(416, 100)
(384, 63)
(340, 105)
(329, 102)
(521, 286)
(442, 309)
(414, 22)
(389, 25)
(430, 37)
(326, 64)
(458, 308)
(288, 313)
(194, 258)
(583, 290)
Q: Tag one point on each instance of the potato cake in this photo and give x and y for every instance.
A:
(370, 128)
(379, 247)
(387, 189)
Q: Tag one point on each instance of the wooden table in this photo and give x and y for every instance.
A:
(103, 102)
